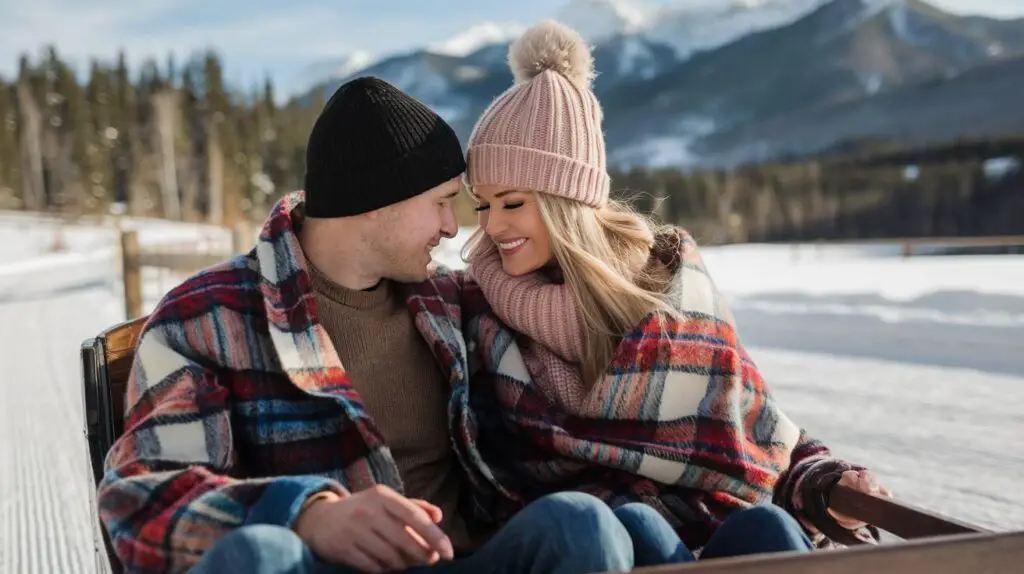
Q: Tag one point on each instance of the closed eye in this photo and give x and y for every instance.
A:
(485, 207)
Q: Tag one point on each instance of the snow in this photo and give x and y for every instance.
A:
(868, 10)
(637, 59)
(698, 26)
(665, 151)
(598, 20)
(686, 25)
(872, 83)
(340, 68)
(999, 167)
(941, 438)
(809, 269)
(655, 152)
(898, 23)
(354, 63)
(913, 367)
(476, 37)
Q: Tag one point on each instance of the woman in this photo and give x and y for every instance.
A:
(624, 377)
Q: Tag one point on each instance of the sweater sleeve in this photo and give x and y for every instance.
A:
(546, 312)
(802, 491)
(167, 495)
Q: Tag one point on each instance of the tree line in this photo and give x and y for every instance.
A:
(168, 140)
(870, 191)
(172, 140)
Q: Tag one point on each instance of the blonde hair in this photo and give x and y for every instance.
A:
(604, 257)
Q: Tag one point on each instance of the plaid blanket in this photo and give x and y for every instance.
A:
(681, 420)
(238, 408)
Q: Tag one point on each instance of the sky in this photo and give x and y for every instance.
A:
(282, 39)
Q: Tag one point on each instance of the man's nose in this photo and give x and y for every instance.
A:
(449, 224)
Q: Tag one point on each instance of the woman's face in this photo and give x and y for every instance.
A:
(511, 218)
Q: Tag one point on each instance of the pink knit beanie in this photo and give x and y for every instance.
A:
(544, 132)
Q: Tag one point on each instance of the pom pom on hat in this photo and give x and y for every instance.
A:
(551, 45)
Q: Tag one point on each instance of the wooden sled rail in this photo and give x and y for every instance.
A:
(897, 518)
(960, 554)
(934, 545)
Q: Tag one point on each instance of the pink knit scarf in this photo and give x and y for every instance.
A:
(545, 312)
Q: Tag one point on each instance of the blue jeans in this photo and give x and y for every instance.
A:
(563, 533)
(757, 530)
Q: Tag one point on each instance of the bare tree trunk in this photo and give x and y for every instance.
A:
(726, 218)
(136, 191)
(763, 205)
(166, 106)
(189, 177)
(215, 175)
(31, 149)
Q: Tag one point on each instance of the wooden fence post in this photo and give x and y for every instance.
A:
(131, 270)
(906, 248)
(241, 237)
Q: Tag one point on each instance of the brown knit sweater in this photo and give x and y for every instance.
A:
(402, 387)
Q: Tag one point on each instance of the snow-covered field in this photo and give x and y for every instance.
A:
(913, 367)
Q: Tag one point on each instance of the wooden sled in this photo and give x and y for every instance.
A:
(931, 544)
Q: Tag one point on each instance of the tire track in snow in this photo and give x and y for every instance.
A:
(45, 503)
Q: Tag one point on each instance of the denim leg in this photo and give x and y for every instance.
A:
(258, 549)
(757, 530)
(654, 540)
(562, 533)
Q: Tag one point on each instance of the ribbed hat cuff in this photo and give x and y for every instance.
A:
(528, 168)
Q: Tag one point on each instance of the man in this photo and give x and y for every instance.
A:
(288, 410)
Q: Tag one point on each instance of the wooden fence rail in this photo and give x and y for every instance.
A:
(910, 245)
(134, 258)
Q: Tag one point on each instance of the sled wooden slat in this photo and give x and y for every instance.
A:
(899, 518)
(960, 554)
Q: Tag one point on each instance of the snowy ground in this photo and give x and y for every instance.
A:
(913, 367)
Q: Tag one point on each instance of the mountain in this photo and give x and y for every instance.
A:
(479, 36)
(843, 51)
(698, 27)
(982, 101)
(342, 67)
(703, 82)
(598, 20)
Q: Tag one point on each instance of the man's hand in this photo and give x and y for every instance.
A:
(375, 530)
(863, 481)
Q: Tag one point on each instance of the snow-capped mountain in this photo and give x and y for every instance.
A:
(706, 25)
(477, 37)
(598, 20)
(342, 67)
(686, 25)
(713, 82)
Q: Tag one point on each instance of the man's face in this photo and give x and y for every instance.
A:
(406, 232)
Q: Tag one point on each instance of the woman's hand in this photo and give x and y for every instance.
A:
(862, 481)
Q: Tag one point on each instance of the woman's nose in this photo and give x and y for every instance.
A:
(492, 225)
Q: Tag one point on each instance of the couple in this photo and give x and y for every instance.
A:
(576, 401)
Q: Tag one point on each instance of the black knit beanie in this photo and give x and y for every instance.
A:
(374, 145)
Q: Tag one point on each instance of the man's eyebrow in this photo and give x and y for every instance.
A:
(451, 194)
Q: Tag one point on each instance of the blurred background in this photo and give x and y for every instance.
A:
(852, 167)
